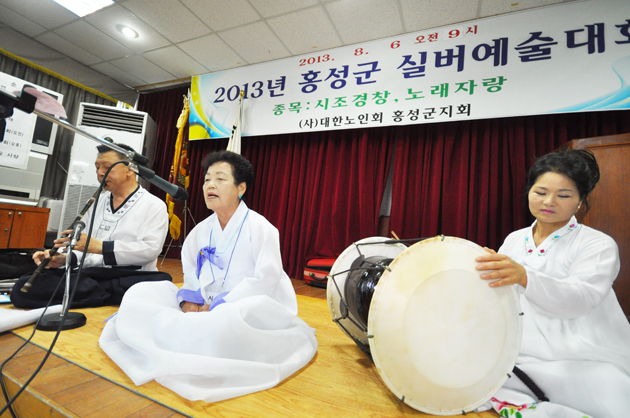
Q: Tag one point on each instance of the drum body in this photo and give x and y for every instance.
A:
(350, 322)
(442, 340)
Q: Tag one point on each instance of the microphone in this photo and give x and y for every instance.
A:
(140, 159)
(76, 233)
(176, 192)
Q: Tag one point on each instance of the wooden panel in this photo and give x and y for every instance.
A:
(339, 381)
(63, 389)
(599, 141)
(610, 200)
(29, 229)
(609, 210)
(22, 207)
(22, 226)
(30, 403)
(154, 411)
(6, 219)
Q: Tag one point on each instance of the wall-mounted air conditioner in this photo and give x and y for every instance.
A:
(130, 127)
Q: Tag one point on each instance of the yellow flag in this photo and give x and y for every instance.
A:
(179, 171)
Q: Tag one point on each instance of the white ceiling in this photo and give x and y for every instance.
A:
(181, 38)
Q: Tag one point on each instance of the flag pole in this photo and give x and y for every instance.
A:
(234, 144)
(179, 173)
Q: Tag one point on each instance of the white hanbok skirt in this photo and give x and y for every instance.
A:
(575, 388)
(238, 348)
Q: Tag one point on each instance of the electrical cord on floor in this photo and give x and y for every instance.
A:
(5, 393)
(63, 319)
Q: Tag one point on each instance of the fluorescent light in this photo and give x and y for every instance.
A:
(83, 7)
(127, 31)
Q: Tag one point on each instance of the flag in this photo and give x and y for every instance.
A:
(179, 171)
(234, 144)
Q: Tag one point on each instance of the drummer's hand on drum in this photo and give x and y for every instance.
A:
(501, 267)
(58, 260)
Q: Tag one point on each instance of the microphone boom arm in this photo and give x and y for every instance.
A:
(134, 156)
(27, 102)
(139, 161)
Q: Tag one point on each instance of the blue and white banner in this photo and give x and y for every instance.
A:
(23, 133)
(19, 128)
(564, 58)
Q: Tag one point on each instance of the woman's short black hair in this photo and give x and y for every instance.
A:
(242, 169)
(577, 164)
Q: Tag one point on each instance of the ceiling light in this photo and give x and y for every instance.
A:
(127, 31)
(83, 7)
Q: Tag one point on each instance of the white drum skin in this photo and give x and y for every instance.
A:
(442, 340)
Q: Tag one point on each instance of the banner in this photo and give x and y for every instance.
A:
(19, 128)
(25, 131)
(564, 58)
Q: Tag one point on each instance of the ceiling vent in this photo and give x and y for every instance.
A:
(112, 118)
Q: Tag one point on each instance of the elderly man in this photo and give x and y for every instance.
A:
(129, 230)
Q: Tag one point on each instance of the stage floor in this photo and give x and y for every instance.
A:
(79, 380)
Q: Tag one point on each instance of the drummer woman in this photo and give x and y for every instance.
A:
(576, 338)
(232, 329)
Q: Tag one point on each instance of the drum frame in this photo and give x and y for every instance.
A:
(345, 312)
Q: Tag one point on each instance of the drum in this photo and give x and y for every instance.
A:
(442, 340)
(348, 319)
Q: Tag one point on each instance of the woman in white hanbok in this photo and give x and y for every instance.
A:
(576, 338)
(233, 328)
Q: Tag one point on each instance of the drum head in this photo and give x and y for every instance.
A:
(336, 286)
(443, 340)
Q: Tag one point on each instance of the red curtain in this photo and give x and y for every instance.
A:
(323, 190)
(164, 108)
(466, 179)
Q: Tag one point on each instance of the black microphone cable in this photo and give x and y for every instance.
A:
(4, 389)
(5, 392)
(63, 319)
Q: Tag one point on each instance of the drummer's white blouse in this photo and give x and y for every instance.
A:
(570, 310)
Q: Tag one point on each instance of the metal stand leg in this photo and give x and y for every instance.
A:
(186, 212)
(52, 322)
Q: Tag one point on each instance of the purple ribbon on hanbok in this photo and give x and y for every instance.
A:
(187, 295)
(208, 253)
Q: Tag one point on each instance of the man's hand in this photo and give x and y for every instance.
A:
(96, 246)
(58, 260)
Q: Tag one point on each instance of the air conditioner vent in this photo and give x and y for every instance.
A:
(112, 118)
(76, 197)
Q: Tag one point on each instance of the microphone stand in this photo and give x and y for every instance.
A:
(51, 322)
(139, 161)
(27, 102)
(134, 156)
